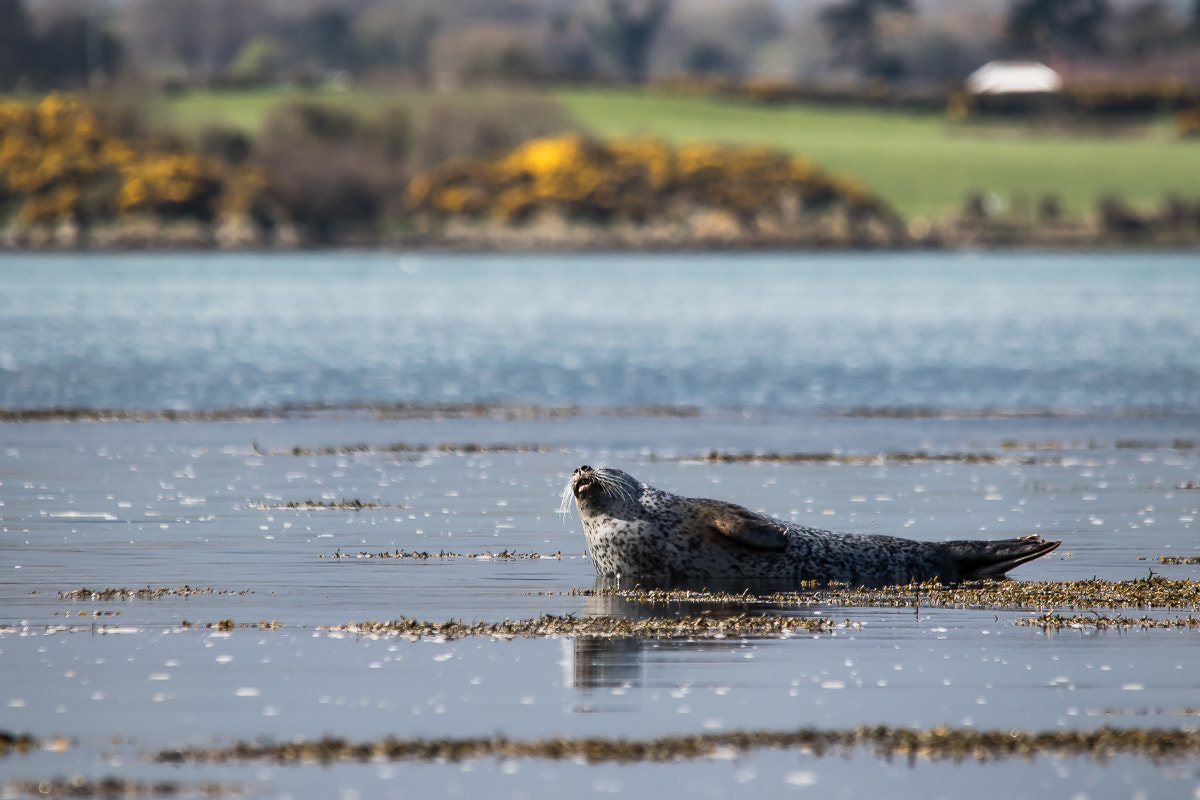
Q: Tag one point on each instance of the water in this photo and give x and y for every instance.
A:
(1060, 391)
(770, 331)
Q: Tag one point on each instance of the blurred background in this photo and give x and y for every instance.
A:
(586, 123)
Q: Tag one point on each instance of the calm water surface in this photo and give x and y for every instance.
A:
(767, 331)
(1091, 359)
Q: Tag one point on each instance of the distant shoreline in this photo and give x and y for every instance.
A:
(509, 240)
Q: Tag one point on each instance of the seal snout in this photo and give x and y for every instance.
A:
(583, 480)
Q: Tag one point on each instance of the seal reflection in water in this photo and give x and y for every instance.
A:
(635, 530)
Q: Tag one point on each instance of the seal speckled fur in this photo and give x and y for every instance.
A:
(635, 530)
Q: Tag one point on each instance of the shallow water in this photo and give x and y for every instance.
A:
(202, 504)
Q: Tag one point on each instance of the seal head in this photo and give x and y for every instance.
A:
(635, 529)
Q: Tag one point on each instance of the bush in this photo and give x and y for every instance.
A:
(61, 161)
(330, 170)
(640, 180)
(334, 172)
(453, 128)
(1187, 123)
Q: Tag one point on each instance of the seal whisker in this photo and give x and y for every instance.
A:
(568, 497)
(614, 487)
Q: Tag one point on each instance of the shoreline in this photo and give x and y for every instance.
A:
(470, 247)
(537, 239)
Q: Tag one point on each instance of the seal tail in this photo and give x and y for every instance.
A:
(974, 559)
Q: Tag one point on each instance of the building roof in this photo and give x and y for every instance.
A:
(1012, 77)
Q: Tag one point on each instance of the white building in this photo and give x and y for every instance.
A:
(1014, 77)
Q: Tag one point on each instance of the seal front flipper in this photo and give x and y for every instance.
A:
(742, 526)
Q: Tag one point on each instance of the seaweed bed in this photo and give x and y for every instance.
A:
(81, 786)
(933, 744)
(940, 743)
(1153, 591)
(696, 627)
(721, 615)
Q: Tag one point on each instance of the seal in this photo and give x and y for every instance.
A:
(635, 530)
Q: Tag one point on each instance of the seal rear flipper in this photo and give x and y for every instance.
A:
(742, 526)
(973, 559)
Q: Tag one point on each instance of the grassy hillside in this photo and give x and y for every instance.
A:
(247, 109)
(920, 162)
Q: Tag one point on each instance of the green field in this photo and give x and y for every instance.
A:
(920, 162)
(247, 109)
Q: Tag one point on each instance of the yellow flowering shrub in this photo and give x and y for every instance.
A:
(1187, 123)
(636, 179)
(56, 151)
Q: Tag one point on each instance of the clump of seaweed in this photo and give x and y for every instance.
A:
(1145, 712)
(401, 447)
(425, 555)
(144, 594)
(309, 505)
(390, 411)
(81, 786)
(1153, 591)
(17, 743)
(918, 457)
(1052, 621)
(229, 624)
(932, 744)
(694, 627)
(1177, 560)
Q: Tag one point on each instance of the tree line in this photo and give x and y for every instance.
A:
(71, 43)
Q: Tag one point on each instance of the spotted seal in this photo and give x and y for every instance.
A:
(635, 530)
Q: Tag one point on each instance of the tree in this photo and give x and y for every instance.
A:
(1147, 29)
(16, 42)
(853, 29)
(722, 38)
(398, 36)
(191, 39)
(628, 35)
(71, 51)
(710, 58)
(324, 38)
(1044, 27)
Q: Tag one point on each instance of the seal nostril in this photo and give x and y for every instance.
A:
(584, 468)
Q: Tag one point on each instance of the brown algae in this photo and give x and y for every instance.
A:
(81, 786)
(1153, 591)
(692, 627)
(147, 593)
(858, 459)
(465, 448)
(311, 505)
(229, 624)
(1051, 621)
(17, 743)
(932, 744)
(388, 411)
(425, 555)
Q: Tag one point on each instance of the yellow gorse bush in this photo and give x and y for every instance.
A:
(57, 151)
(640, 179)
